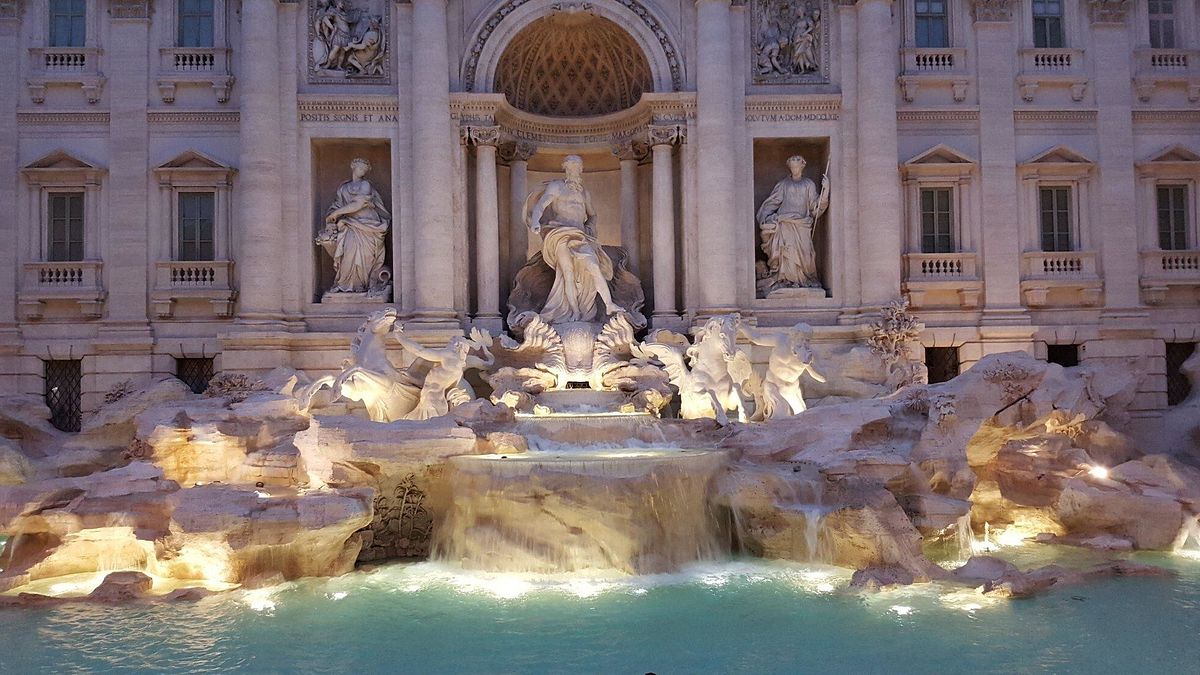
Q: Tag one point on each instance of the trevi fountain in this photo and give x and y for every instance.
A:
(576, 493)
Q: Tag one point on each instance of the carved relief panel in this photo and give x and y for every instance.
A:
(348, 41)
(790, 41)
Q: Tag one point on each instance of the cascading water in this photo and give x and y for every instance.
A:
(637, 511)
(1188, 541)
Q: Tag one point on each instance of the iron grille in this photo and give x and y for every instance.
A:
(942, 363)
(64, 380)
(195, 373)
(1178, 387)
(1066, 356)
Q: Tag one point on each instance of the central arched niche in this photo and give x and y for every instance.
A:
(573, 64)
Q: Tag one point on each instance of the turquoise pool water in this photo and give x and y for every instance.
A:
(732, 617)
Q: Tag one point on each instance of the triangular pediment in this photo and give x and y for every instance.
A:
(940, 154)
(1175, 153)
(61, 160)
(1059, 154)
(194, 159)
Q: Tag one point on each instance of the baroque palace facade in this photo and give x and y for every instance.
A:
(1024, 171)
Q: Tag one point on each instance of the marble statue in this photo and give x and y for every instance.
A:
(431, 385)
(444, 386)
(709, 375)
(356, 225)
(347, 39)
(777, 393)
(787, 39)
(786, 220)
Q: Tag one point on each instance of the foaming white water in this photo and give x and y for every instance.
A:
(629, 510)
(1187, 543)
(421, 577)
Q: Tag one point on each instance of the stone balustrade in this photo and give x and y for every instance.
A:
(942, 279)
(64, 66)
(934, 67)
(193, 282)
(1166, 273)
(1158, 68)
(1060, 277)
(78, 282)
(204, 66)
(1057, 67)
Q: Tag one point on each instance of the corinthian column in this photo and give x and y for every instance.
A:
(433, 148)
(487, 227)
(715, 205)
(260, 205)
(662, 226)
(518, 155)
(630, 153)
(879, 209)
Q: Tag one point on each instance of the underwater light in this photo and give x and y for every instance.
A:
(1098, 472)
(901, 610)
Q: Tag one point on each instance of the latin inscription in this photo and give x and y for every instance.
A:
(350, 118)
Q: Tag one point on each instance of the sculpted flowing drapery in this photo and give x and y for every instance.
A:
(786, 221)
(356, 225)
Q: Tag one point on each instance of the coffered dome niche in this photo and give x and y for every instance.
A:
(573, 65)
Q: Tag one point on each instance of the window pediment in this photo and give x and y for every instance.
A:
(1176, 157)
(61, 168)
(1059, 161)
(193, 167)
(940, 160)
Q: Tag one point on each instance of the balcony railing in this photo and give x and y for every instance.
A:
(79, 66)
(78, 281)
(1167, 68)
(1052, 67)
(939, 266)
(210, 281)
(919, 60)
(1171, 263)
(1051, 60)
(1059, 264)
(1070, 274)
(205, 66)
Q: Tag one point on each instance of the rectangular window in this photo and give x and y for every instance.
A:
(1048, 24)
(1172, 217)
(1055, 207)
(195, 373)
(68, 23)
(1162, 24)
(196, 225)
(1066, 356)
(195, 23)
(942, 363)
(937, 221)
(1178, 386)
(66, 227)
(63, 391)
(933, 28)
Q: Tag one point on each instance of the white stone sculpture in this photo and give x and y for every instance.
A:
(356, 226)
(430, 386)
(444, 386)
(890, 338)
(786, 220)
(778, 393)
(561, 213)
(348, 40)
(710, 374)
(787, 40)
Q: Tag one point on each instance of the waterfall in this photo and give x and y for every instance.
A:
(813, 515)
(636, 510)
(968, 544)
(1188, 541)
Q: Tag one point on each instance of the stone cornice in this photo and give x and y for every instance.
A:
(937, 116)
(190, 117)
(1108, 11)
(381, 105)
(130, 9)
(1054, 115)
(983, 11)
(63, 118)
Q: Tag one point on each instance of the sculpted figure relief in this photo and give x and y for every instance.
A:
(573, 277)
(786, 220)
(787, 40)
(355, 227)
(778, 392)
(347, 39)
(444, 386)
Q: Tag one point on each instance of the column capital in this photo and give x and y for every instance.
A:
(1108, 11)
(713, 2)
(480, 135)
(987, 11)
(629, 149)
(11, 9)
(666, 135)
(130, 9)
(517, 151)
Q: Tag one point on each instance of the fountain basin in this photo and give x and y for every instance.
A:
(630, 510)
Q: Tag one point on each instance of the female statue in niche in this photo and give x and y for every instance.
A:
(355, 226)
(786, 221)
